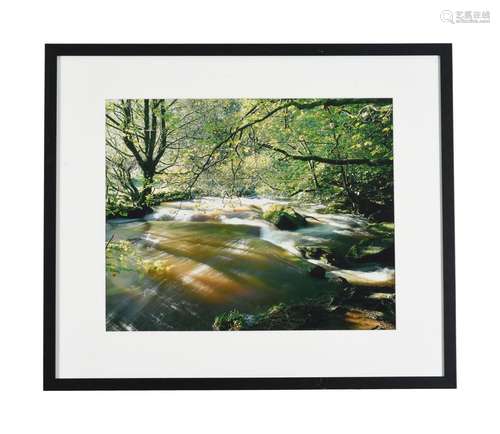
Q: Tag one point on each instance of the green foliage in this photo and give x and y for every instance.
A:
(350, 309)
(166, 196)
(233, 320)
(120, 256)
(381, 229)
(240, 147)
(117, 207)
(307, 315)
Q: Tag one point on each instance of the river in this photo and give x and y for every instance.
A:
(190, 261)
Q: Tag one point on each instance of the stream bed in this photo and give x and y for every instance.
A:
(190, 261)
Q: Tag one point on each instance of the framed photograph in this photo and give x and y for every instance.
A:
(249, 217)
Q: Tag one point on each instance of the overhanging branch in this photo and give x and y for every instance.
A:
(331, 161)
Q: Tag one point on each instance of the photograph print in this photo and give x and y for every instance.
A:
(249, 214)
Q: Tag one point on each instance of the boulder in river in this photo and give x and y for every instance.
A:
(211, 217)
(165, 217)
(323, 253)
(311, 252)
(284, 218)
(379, 250)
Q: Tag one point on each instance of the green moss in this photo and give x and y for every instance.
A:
(301, 316)
(284, 217)
(383, 229)
(278, 317)
(379, 248)
(352, 309)
(175, 196)
(340, 207)
(233, 320)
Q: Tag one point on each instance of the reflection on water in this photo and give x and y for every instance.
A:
(190, 261)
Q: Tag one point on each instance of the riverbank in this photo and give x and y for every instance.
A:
(350, 309)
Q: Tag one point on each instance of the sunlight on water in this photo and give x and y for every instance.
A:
(380, 277)
(189, 261)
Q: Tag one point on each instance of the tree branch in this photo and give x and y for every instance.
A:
(331, 161)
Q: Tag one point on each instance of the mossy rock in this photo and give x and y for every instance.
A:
(373, 250)
(382, 229)
(312, 252)
(353, 309)
(129, 212)
(284, 218)
(333, 254)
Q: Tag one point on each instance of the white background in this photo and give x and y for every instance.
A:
(25, 26)
(86, 350)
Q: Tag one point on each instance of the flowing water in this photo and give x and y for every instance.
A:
(189, 261)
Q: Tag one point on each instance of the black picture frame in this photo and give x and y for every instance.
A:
(443, 51)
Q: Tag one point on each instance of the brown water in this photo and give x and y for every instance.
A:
(190, 261)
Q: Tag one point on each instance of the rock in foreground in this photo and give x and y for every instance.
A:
(354, 310)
